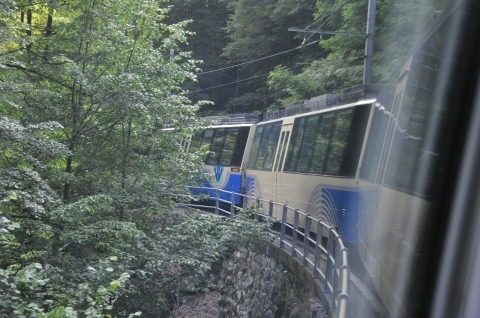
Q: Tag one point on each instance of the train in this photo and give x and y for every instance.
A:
(394, 167)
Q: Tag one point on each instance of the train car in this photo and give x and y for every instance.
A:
(224, 164)
(309, 161)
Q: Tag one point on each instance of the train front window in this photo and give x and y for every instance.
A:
(229, 146)
(216, 148)
(239, 148)
(196, 140)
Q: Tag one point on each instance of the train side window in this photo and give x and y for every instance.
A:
(262, 151)
(306, 149)
(264, 146)
(255, 146)
(279, 155)
(374, 145)
(294, 147)
(272, 146)
(321, 143)
(356, 136)
(339, 140)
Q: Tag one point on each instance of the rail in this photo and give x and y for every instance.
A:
(327, 255)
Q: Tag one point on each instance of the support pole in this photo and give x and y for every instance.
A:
(367, 73)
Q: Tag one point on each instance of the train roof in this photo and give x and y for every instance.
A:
(229, 125)
(323, 110)
(351, 96)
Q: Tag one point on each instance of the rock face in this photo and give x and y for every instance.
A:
(254, 285)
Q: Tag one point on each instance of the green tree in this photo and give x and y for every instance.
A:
(258, 29)
(208, 21)
(106, 76)
(396, 25)
(87, 172)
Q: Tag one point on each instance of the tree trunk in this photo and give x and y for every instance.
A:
(66, 186)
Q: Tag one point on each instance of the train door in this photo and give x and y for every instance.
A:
(280, 160)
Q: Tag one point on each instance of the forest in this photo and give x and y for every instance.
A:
(89, 174)
(252, 63)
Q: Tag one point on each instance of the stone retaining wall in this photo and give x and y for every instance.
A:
(252, 284)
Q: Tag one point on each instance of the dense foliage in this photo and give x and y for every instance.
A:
(88, 174)
(253, 62)
(231, 32)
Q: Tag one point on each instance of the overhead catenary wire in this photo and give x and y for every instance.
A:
(246, 79)
(259, 59)
(329, 16)
(262, 75)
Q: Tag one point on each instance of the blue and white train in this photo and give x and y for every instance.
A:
(225, 162)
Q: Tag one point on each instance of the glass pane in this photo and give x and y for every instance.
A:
(239, 149)
(338, 141)
(272, 146)
(308, 140)
(279, 155)
(408, 151)
(294, 147)
(355, 140)
(321, 143)
(196, 140)
(282, 154)
(255, 147)
(262, 152)
(230, 140)
(374, 145)
(216, 147)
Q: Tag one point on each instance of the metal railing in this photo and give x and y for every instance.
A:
(327, 255)
(233, 119)
(304, 106)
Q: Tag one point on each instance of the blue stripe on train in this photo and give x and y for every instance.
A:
(346, 206)
(234, 184)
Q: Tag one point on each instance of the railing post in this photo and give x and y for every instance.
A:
(295, 232)
(270, 208)
(217, 202)
(282, 229)
(232, 206)
(329, 266)
(306, 237)
(336, 270)
(343, 299)
(318, 250)
(257, 208)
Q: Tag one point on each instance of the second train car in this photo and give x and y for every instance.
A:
(309, 162)
(224, 162)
